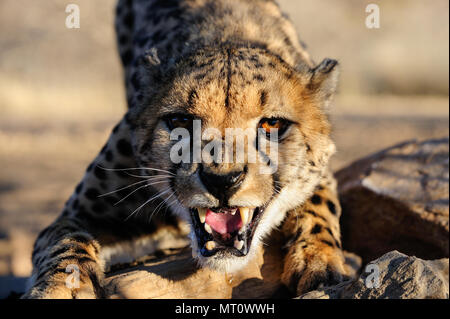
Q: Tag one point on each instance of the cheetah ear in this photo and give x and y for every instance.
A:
(151, 58)
(323, 81)
(149, 73)
(151, 66)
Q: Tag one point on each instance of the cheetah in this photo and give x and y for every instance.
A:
(227, 64)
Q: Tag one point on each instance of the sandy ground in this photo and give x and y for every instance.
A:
(61, 93)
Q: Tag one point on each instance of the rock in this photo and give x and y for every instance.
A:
(398, 199)
(393, 276)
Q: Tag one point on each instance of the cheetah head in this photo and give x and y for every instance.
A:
(232, 199)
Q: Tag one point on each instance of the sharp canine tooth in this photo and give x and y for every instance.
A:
(202, 214)
(234, 212)
(250, 214)
(210, 245)
(208, 228)
(245, 216)
(238, 244)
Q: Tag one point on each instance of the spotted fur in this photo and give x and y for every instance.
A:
(228, 63)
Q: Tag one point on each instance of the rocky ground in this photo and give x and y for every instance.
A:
(393, 276)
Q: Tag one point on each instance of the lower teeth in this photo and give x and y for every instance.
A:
(210, 245)
(246, 216)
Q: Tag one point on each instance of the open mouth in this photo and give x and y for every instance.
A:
(229, 229)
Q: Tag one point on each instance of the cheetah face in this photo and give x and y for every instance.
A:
(233, 196)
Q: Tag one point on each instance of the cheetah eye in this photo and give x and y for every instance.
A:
(174, 121)
(269, 125)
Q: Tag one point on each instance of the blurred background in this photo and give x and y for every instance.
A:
(61, 92)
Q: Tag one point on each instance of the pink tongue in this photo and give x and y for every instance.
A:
(223, 223)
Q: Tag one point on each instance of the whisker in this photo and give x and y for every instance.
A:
(173, 201)
(147, 185)
(148, 176)
(123, 188)
(159, 207)
(148, 201)
(153, 178)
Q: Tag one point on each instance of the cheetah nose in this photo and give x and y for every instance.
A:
(222, 186)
